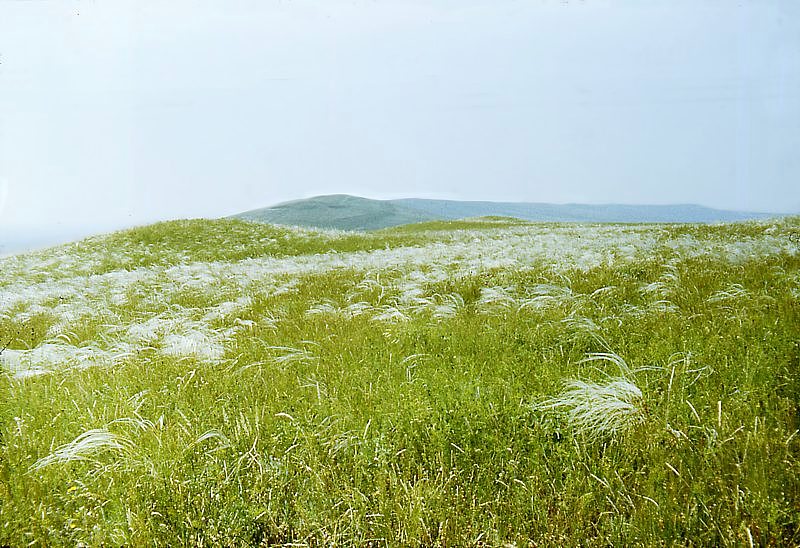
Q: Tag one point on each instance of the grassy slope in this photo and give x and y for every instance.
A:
(338, 211)
(329, 418)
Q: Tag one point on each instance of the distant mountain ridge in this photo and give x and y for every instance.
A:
(601, 213)
(342, 211)
(339, 211)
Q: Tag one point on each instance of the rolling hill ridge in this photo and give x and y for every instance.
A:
(341, 211)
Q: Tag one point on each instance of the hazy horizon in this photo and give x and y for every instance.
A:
(115, 115)
(19, 239)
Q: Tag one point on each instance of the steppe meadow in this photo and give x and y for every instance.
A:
(485, 382)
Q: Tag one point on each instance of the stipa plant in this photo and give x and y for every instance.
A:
(282, 356)
(665, 289)
(448, 306)
(582, 329)
(495, 299)
(325, 308)
(83, 448)
(287, 355)
(390, 313)
(598, 409)
(545, 295)
(733, 293)
(219, 441)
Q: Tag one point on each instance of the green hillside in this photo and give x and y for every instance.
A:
(340, 212)
(480, 382)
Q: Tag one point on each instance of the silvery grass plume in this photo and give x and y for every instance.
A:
(448, 306)
(665, 288)
(220, 440)
(496, 298)
(600, 409)
(193, 343)
(83, 448)
(544, 295)
(331, 309)
(369, 285)
(733, 293)
(582, 328)
(287, 355)
(390, 313)
(47, 357)
(283, 356)
(325, 308)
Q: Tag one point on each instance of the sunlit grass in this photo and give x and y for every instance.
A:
(477, 383)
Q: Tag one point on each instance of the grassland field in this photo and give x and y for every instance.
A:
(486, 382)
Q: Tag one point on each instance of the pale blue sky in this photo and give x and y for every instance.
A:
(117, 113)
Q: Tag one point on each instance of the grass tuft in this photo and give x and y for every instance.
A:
(599, 410)
(86, 446)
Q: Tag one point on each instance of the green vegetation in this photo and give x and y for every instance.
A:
(476, 383)
(459, 224)
(176, 242)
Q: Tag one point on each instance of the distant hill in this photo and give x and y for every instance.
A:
(604, 213)
(354, 213)
(339, 211)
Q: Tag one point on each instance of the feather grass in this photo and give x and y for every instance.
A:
(83, 448)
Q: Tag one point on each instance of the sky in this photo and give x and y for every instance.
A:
(117, 113)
